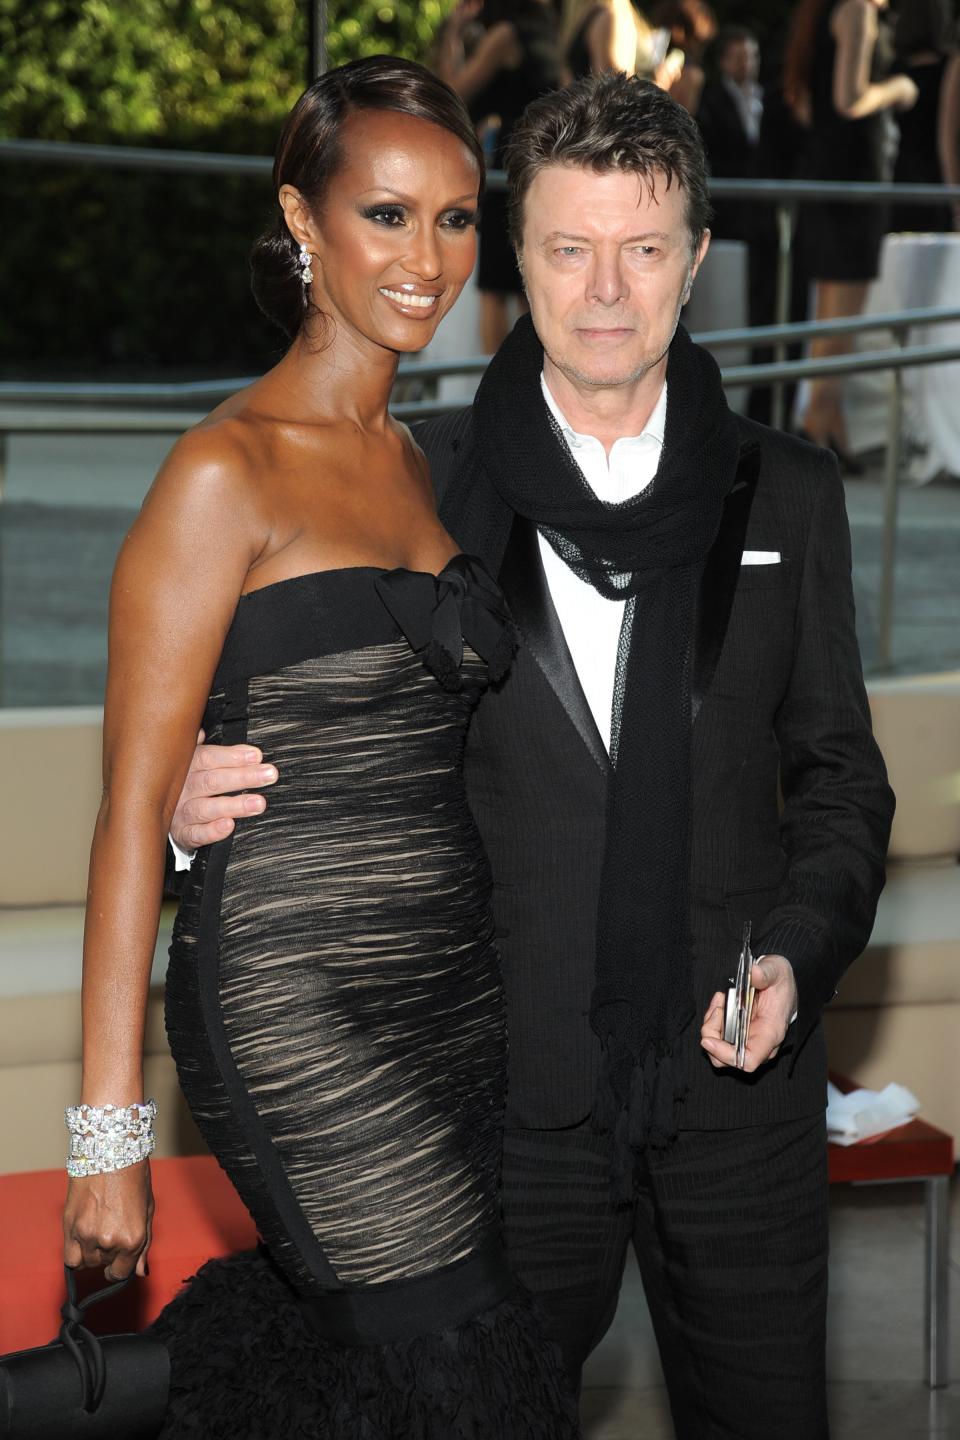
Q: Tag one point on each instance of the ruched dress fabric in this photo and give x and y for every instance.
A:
(335, 1010)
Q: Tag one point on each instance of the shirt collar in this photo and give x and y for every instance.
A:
(653, 430)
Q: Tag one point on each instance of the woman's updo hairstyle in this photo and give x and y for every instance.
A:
(310, 152)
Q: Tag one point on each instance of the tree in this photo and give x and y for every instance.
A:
(180, 72)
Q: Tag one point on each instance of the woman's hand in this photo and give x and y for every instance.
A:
(906, 92)
(107, 1220)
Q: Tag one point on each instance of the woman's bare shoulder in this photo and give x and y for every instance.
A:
(221, 455)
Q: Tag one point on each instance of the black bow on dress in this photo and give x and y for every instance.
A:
(437, 613)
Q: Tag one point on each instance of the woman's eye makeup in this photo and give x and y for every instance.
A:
(392, 215)
(384, 214)
(459, 219)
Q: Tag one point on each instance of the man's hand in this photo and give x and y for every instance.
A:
(774, 1005)
(209, 805)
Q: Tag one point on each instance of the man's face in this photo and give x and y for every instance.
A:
(607, 266)
(741, 61)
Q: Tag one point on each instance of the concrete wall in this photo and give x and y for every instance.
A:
(896, 1017)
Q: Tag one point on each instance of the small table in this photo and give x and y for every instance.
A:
(915, 1151)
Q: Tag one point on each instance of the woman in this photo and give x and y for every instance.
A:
(602, 35)
(333, 998)
(922, 42)
(515, 59)
(834, 80)
(948, 124)
(691, 25)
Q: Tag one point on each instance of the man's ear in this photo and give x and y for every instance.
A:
(698, 258)
(695, 264)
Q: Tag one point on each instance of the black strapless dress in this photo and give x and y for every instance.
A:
(335, 1010)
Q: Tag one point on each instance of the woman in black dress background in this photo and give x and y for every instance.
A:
(334, 1001)
(516, 58)
(603, 35)
(836, 79)
(923, 43)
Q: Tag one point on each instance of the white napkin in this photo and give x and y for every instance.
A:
(865, 1113)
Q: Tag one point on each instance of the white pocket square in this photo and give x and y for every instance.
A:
(760, 557)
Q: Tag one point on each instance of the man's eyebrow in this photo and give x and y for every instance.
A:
(630, 240)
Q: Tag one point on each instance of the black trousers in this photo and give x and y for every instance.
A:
(730, 1232)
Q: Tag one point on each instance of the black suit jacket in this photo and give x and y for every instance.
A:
(779, 706)
(731, 155)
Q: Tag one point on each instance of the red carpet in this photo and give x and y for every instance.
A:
(198, 1215)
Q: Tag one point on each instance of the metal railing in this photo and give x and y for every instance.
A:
(207, 393)
(785, 195)
(209, 162)
(164, 408)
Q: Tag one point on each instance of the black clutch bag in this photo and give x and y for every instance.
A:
(85, 1387)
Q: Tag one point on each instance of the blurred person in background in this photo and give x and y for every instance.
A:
(515, 59)
(948, 123)
(729, 116)
(777, 157)
(692, 25)
(922, 39)
(603, 35)
(837, 80)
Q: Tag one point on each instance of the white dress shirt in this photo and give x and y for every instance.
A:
(590, 622)
(748, 99)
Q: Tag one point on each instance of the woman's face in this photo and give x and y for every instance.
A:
(395, 237)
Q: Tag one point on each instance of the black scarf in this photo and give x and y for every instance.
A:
(650, 551)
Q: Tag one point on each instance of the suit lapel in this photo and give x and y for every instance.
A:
(718, 581)
(525, 586)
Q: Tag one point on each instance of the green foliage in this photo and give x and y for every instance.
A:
(371, 27)
(123, 272)
(157, 71)
(176, 72)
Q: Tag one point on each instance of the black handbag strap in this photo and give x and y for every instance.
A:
(81, 1343)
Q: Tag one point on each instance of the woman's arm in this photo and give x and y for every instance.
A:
(599, 37)
(498, 49)
(948, 129)
(855, 29)
(687, 87)
(175, 588)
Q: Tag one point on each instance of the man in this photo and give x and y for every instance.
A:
(729, 116)
(681, 581)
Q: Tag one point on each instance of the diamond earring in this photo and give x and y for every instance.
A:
(306, 273)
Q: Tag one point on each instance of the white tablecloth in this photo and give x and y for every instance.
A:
(916, 272)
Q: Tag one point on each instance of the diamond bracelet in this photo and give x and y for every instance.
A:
(108, 1137)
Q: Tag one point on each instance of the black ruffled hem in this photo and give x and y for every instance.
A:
(246, 1364)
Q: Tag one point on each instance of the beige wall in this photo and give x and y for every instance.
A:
(897, 1016)
(51, 786)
